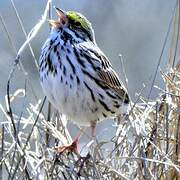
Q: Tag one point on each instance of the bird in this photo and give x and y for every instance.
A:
(76, 76)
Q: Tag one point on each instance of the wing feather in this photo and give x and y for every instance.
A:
(104, 73)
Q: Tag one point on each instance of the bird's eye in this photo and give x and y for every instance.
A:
(77, 23)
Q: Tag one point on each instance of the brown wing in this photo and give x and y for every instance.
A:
(109, 77)
(105, 73)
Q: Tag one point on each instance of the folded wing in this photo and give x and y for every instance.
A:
(104, 71)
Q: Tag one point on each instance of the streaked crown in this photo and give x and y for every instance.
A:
(78, 22)
(74, 22)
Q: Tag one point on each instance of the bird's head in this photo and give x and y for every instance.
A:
(75, 23)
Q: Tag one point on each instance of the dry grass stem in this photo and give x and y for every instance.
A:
(146, 144)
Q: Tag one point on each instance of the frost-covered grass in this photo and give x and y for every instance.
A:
(146, 144)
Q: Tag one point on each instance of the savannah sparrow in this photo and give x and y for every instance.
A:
(76, 76)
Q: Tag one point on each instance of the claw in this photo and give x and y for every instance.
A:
(69, 148)
(73, 147)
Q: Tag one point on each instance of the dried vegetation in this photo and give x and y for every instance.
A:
(146, 144)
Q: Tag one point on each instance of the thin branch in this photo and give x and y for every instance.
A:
(24, 32)
(28, 138)
(161, 54)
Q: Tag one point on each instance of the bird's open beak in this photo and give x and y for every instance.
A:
(61, 20)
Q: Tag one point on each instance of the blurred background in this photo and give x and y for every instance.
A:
(135, 29)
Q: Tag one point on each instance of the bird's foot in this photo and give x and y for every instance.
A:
(73, 147)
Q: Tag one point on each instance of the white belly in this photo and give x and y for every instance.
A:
(74, 102)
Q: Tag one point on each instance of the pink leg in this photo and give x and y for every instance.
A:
(73, 147)
(93, 128)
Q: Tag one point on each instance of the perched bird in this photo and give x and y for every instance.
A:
(76, 76)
